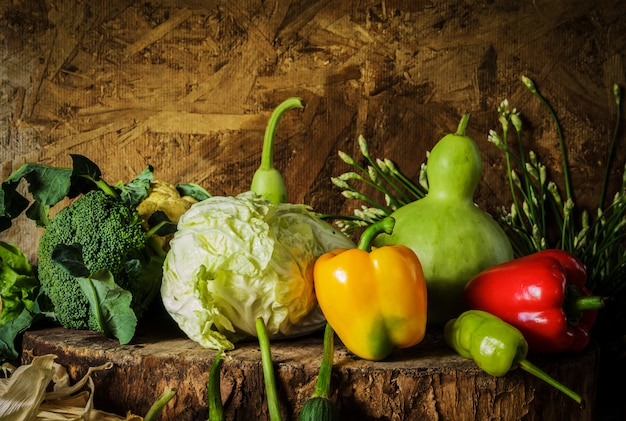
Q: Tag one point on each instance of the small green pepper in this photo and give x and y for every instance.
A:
(495, 346)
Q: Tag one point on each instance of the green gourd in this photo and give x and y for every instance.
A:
(453, 238)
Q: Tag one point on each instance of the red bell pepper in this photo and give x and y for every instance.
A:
(543, 295)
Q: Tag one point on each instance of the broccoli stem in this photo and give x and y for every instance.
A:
(103, 185)
(268, 371)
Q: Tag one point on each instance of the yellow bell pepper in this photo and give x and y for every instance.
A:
(375, 301)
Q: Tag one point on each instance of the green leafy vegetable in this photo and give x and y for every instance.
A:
(115, 271)
(234, 259)
(18, 293)
(109, 304)
(97, 232)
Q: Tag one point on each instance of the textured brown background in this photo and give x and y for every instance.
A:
(187, 86)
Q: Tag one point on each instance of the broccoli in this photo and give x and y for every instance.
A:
(111, 236)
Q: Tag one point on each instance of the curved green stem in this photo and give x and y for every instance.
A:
(268, 371)
(157, 407)
(529, 367)
(216, 409)
(267, 180)
(384, 225)
(461, 129)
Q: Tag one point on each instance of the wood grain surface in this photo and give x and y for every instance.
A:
(426, 382)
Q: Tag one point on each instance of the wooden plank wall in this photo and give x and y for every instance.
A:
(187, 86)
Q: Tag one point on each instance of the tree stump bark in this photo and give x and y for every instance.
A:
(426, 382)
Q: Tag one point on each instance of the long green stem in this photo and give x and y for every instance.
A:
(268, 371)
(531, 86)
(618, 102)
(322, 386)
(157, 407)
(216, 409)
(529, 367)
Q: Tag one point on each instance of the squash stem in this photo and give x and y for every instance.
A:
(322, 386)
(268, 371)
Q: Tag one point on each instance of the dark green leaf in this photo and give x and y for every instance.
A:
(84, 167)
(10, 334)
(70, 258)
(39, 213)
(193, 190)
(111, 303)
(166, 226)
(48, 186)
(134, 192)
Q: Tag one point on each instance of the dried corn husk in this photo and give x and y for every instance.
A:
(24, 396)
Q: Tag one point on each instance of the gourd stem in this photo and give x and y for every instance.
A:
(384, 225)
(267, 181)
(461, 129)
(267, 157)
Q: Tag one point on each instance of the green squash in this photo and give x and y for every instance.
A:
(452, 237)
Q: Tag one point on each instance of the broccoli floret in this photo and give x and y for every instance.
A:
(112, 237)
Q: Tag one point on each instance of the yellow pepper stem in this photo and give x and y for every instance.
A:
(384, 225)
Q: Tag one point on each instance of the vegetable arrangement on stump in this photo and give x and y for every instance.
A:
(255, 266)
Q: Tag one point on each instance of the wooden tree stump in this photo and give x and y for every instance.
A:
(426, 382)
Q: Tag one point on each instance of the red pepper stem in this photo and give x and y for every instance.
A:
(592, 302)
(529, 367)
(384, 225)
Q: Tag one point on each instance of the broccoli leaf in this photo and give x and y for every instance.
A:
(48, 185)
(161, 224)
(194, 190)
(134, 192)
(10, 334)
(84, 167)
(112, 303)
(109, 302)
(70, 258)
